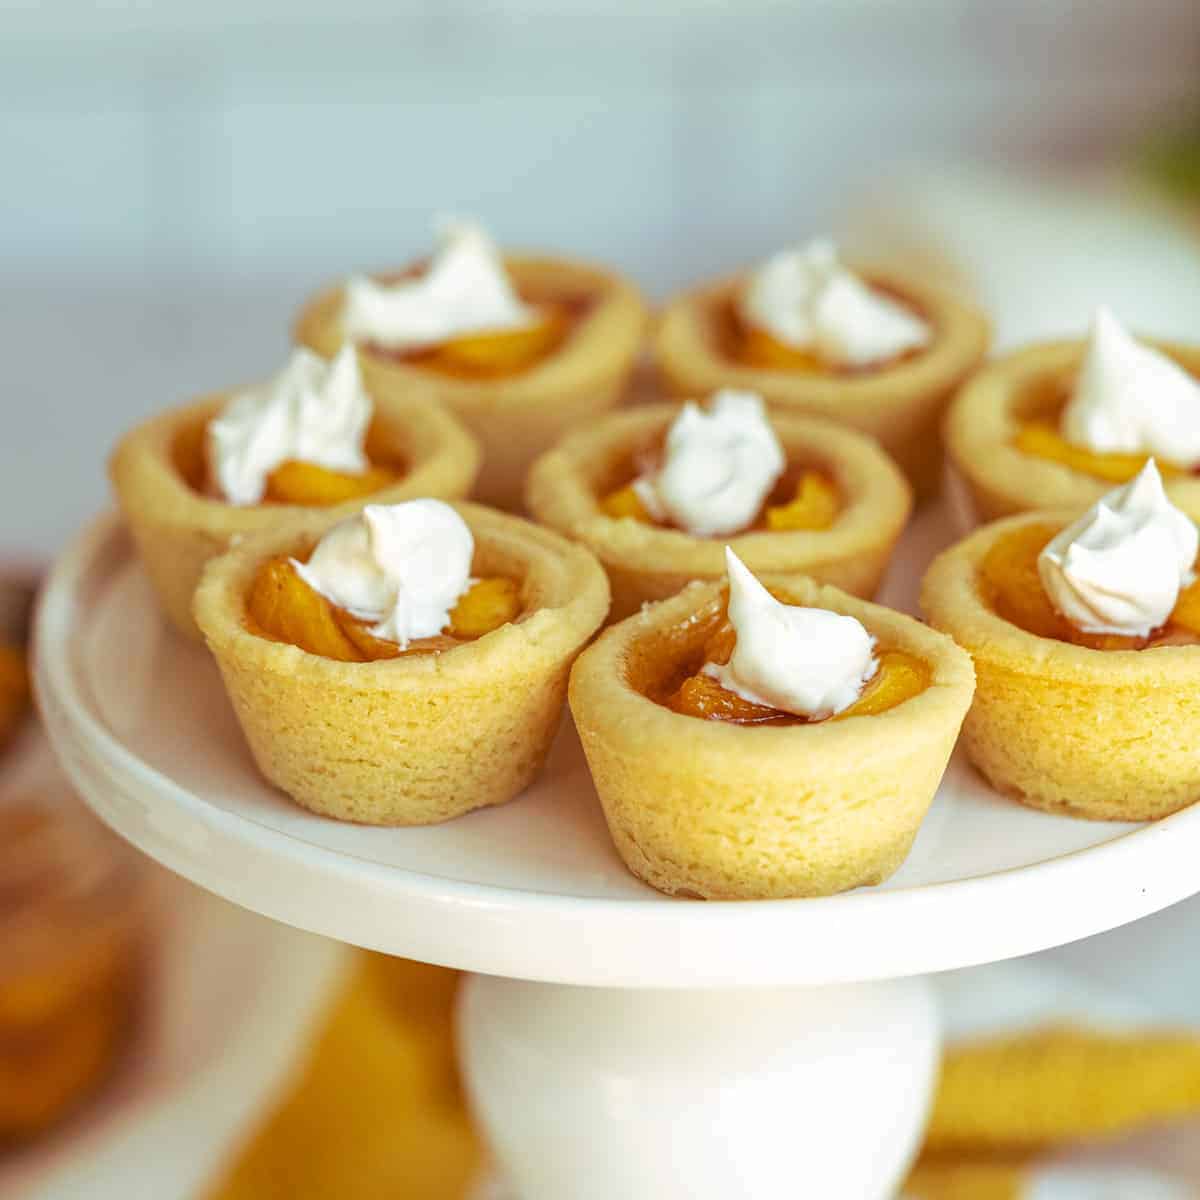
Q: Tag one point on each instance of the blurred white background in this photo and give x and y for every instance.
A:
(175, 176)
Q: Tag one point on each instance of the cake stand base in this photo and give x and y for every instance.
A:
(594, 1093)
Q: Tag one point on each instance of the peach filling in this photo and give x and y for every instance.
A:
(296, 482)
(1040, 437)
(281, 606)
(804, 499)
(306, 483)
(495, 353)
(1012, 587)
(755, 347)
(899, 677)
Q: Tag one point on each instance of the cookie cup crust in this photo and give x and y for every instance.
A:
(1104, 734)
(721, 811)
(987, 414)
(901, 405)
(176, 529)
(519, 416)
(408, 741)
(646, 562)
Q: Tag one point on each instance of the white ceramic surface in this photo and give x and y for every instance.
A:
(534, 890)
(701, 1095)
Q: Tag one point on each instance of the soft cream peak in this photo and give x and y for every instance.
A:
(1130, 399)
(402, 567)
(1120, 567)
(719, 466)
(465, 290)
(805, 298)
(313, 411)
(807, 661)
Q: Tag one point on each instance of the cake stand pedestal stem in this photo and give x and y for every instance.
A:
(747, 1094)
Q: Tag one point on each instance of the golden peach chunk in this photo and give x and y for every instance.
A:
(296, 482)
(285, 608)
(377, 649)
(625, 502)
(1013, 587)
(702, 696)
(757, 348)
(494, 353)
(1042, 439)
(486, 605)
(1186, 612)
(814, 507)
(282, 606)
(720, 644)
(900, 677)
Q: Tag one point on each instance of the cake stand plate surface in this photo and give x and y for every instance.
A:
(534, 890)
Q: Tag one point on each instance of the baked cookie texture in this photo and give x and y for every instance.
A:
(986, 417)
(650, 562)
(901, 405)
(1105, 734)
(707, 809)
(177, 529)
(416, 739)
(517, 416)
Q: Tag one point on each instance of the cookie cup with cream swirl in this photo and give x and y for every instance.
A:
(984, 423)
(900, 404)
(515, 416)
(650, 562)
(158, 474)
(416, 739)
(1098, 733)
(707, 809)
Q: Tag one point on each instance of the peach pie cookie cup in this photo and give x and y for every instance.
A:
(711, 809)
(1032, 385)
(517, 415)
(1098, 733)
(650, 562)
(420, 738)
(157, 472)
(901, 404)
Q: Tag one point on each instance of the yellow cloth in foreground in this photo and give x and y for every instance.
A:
(376, 1113)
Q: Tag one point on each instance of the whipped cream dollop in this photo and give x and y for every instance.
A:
(1130, 399)
(1120, 567)
(718, 466)
(464, 290)
(402, 567)
(806, 661)
(313, 411)
(804, 297)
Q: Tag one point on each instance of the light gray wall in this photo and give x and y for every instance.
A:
(174, 176)
(246, 139)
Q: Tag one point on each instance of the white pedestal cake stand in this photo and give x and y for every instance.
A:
(618, 1045)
